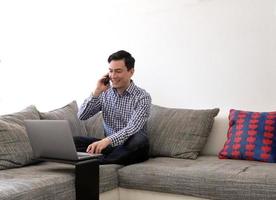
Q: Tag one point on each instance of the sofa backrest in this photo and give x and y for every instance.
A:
(94, 126)
(168, 130)
(15, 148)
(217, 136)
(172, 132)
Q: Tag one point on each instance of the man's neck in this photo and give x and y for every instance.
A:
(122, 90)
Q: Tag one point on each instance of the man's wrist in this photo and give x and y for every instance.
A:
(96, 93)
(108, 140)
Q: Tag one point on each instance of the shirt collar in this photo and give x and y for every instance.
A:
(130, 89)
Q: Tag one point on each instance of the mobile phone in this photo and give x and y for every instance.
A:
(106, 80)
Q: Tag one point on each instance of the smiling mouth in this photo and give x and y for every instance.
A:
(114, 82)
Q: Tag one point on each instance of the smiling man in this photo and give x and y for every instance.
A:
(125, 110)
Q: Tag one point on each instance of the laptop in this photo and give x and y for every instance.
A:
(53, 139)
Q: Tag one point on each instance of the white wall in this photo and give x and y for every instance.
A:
(190, 53)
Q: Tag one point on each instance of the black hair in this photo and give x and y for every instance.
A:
(123, 55)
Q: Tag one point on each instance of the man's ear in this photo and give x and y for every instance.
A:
(131, 71)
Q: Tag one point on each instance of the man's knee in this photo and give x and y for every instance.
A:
(137, 141)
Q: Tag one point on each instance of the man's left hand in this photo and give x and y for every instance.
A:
(97, 147)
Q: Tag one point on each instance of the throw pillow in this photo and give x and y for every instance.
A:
(179, 133)
(68, 112)
(18, 118)
(251, 136)
(94, 126)
(15, 149)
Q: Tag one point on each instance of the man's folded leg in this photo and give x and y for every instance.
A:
(134, 150)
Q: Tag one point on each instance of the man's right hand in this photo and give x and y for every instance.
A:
(97, 147)
(101, 87)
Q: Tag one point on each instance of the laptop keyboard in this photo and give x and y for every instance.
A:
(83, 154)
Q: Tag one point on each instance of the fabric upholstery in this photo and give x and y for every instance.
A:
(207, 177)
(42, 181)
(179, 133)
(18, 118)
(94, 126)
(251, 136)
(48, 180)
(15, 149)
(109, 177)
(68, 112)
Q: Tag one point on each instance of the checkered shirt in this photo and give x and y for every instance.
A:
(124, 115)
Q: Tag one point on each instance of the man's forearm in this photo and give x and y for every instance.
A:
(90, 107)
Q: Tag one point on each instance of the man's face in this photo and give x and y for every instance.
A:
(119, 75)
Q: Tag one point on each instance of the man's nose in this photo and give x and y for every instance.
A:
(113, 75)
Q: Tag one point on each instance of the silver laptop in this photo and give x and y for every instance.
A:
(52, 139)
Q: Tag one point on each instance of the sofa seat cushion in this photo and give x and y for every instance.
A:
(41, 181)
(109, 177)
(48, 180)
(206, 177)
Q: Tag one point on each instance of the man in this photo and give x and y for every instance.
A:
(125, 110)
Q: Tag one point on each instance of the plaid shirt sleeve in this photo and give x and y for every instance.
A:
(90, 107)
(136, 122)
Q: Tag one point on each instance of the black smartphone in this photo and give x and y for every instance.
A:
(106, 80)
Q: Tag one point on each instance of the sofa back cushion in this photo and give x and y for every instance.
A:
(179, 133)
(68, 112)
(15, 149)
(94, 126)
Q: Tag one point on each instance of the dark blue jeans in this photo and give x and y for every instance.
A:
(134, 150)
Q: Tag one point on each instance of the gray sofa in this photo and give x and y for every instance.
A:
(183, 164)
